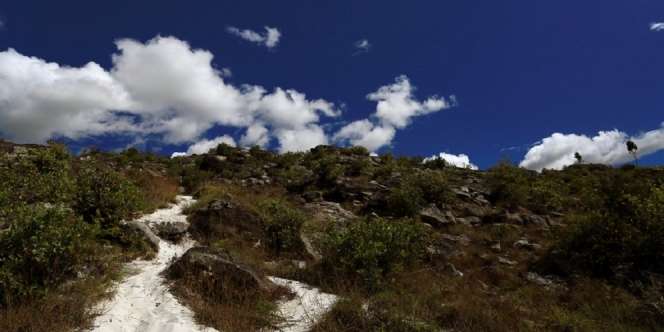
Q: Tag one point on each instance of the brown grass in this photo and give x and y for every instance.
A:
(233, 310)
(157, 190)
(71, 307)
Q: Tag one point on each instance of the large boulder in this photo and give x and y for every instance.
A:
(172, 231)
(222, 218)
(214, 273)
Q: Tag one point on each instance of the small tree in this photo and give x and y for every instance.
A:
(578, 157)
(632, 149)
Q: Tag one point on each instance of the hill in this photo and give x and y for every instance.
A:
(407, 245)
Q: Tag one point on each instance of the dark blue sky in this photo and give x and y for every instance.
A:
(521, 70)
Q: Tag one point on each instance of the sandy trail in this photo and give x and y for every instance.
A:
(142, 302)
(307, 306)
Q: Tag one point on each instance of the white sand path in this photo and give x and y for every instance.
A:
(143, 303)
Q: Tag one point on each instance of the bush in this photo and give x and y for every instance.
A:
(44, 246)
(41, 175)
(509, 185)
(282, 224)
(623, 240)
(417, 190)
(105, 196)
(371, 249)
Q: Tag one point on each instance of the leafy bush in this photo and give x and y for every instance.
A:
(41, 175)
(371, 249)
(415, 191)
(105, 196)
(282, 224)
(44, 246)
(224, 149)
(509, 184)
(624, 239)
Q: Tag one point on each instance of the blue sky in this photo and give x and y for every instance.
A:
(519, 70)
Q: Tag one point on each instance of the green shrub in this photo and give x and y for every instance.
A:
(404, 201)
(417, 190)
(282, 224)
(105, 196)
(224, 149)
(41, 175)
(623, 240)
(371, 249)
(43, 247)
(509, 185)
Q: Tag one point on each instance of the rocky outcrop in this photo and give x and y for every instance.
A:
(172, 231)
(222, 218)
(217, 272)
(436, 218)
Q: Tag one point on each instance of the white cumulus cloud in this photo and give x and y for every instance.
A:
(160, 87)
(657, 26)
(362, 46)
(461, 160)
(396, 107)
(205, 145)
(268, 39)
(256, 134)
(607, 147)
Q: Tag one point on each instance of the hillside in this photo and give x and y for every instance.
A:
(405, 245)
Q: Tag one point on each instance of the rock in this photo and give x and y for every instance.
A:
(524, 244)
(330, 211)
(434, 217)
(223, 217)
(146, 231)
(547, 282)
(172, 231)
(536, 220)
(461, 239)
(218, 270)
(462, 193)
(503, 260)
(453, 270)
(310, 248)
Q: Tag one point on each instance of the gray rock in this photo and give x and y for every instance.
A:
(503, 260)
(525, 244)
(146, 231)
(434, 217)
(172, 231)
(219, 269)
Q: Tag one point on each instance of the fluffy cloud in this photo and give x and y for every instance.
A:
(165, 88)
(301, 139)
(396, 106)
(205, 145)
(607, 147)
(362, 46)
(161, 87)
(269, 39)
(461, 160)
(40, 100)
(256, 134)
(365, 133)
(656, 26)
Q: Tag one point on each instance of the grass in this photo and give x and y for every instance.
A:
(70, 307)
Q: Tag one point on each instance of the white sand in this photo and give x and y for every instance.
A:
(143, 303)
(308, 305)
